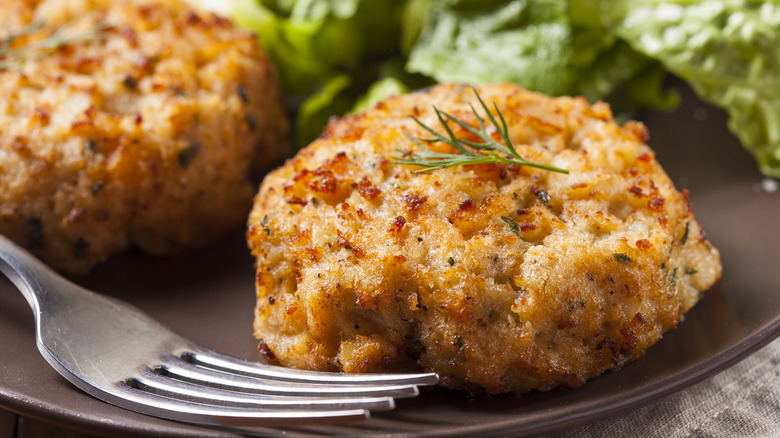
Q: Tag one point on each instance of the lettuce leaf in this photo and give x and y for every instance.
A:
(608, 68)
(552, 46)
(522, 41)
(315, 111)
(345, 93)
(378, 91)
(313, 41)
(333, 55)
(727, 51)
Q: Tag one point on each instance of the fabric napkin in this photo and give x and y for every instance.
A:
(742, 401)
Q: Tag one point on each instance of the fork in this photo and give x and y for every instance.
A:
(120, 355)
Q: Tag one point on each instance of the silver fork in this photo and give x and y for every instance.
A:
(118, 354)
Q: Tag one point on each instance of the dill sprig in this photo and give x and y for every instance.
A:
(469, 152)
(13, 56)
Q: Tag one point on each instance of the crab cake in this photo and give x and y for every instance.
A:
(141, 130)
(500, 278)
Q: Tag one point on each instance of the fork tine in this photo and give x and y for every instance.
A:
(176, 368)
(152, 382)
(157, 405)
(104, 347)
(221, 362)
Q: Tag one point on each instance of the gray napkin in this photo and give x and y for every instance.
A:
(743, 401)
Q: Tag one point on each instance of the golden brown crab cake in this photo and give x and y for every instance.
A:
(499, 278)
(142, 133)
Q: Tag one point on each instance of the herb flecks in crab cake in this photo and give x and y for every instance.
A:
(129, 123)
(499, 277)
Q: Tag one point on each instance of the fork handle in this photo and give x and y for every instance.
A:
(26, 272)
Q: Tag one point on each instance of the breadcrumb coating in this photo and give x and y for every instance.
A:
(142, 135)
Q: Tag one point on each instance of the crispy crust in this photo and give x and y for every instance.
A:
(143, 137)
(499, 278)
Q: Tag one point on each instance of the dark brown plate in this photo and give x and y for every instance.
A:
(210, 297)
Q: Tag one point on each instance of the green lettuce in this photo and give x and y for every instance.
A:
(337, 56)
(727, 51)
(346, 93)
(520, 41)
(328, 52)
(313, 41)
(607, 68)
(552, 46)
(379, 90)
(314, 112)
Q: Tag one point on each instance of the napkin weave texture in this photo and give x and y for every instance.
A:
(742, 401)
